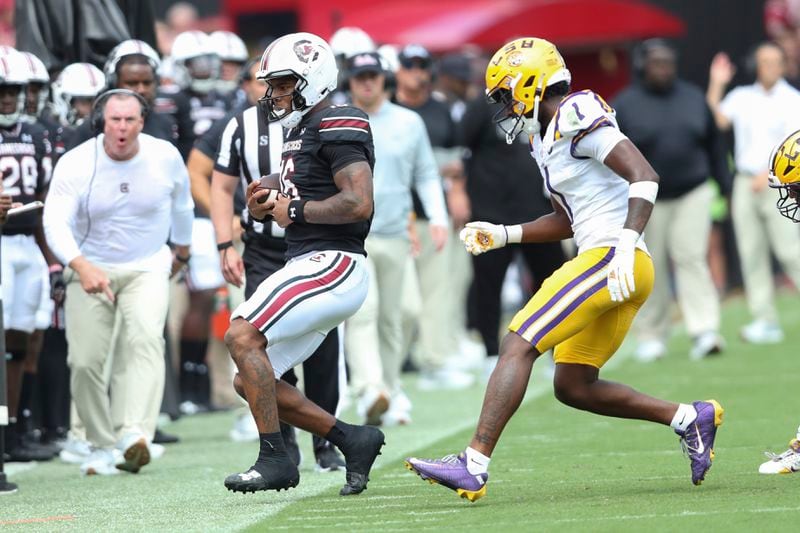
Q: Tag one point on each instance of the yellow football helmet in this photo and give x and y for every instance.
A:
(517, 77)
(784, 175)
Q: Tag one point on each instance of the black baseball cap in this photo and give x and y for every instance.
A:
(415, 54)
(364, 62)
(457, 66)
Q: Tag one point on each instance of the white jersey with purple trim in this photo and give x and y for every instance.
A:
(570, 155)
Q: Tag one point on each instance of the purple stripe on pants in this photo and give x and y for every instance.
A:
(566, 312)
(564, 290)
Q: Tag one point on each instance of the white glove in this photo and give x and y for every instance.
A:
(480, 237)
(620, 269)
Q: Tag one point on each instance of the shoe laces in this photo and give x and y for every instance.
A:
(792, 453)
(451, 459)
(686, 447)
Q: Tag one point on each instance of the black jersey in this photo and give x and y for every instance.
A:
(24, 149)
(248, 146)
(327, 140)
(57, 135)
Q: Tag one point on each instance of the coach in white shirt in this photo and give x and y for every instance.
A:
(114, 201)
(761, 115)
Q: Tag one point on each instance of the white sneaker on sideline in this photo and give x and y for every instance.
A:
(469, 355)
(74, 451)
(399, 413)
(371, 406)
(101, 462)
(447, 378)
(650, 350)
(244, 428)
(156, 450)
(135, 452)
(786, 463)
(706, 344)
(762, 332)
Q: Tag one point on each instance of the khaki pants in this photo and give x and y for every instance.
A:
(373, 335)
(760, 228)
(433, 269)
(679, 230)
(141, 301)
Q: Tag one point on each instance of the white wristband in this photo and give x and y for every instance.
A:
(646, 190)
(627, 239)
(513, 233)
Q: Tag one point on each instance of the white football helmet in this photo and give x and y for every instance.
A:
(310, 60)
(229, 46)
(231, 49)
(37, 73)
(197, 63)
(350, 41)
(13, 72)
(78, 80)
(129, 47)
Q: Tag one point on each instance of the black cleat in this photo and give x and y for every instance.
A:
(282, 476)
(328, 459)
(360, 452)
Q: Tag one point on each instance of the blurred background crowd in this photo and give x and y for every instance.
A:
(703, 89)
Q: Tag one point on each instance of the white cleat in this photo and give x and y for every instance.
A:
(650, 350)
(786, 463)
(705, 344)
(762, 332)
(102, 462)
(244, 429)
(445, 379)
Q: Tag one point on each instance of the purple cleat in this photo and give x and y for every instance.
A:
(698, 440)
(451, 471)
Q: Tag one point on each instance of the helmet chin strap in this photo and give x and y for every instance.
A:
(529, 125)
(532, 125)
(291, 119)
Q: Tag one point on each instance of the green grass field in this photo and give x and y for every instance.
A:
(555, 469)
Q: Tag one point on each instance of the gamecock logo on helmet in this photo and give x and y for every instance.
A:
(305, 51)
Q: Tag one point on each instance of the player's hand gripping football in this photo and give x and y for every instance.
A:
(260, 200)
(480, 237)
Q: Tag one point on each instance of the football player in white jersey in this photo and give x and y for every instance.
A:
(784, 175)
(603, 191)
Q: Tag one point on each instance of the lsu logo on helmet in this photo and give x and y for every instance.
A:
(784, 175)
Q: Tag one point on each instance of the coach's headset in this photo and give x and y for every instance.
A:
(97, 120)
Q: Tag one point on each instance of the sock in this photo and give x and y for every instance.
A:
(193, 354)
(272, 448)
(338, 433)
(684, 416)
(477, 463)
(25, 409)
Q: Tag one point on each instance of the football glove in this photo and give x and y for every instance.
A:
(480, 237)
(620, 269)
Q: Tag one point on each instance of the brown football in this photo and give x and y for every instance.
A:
(262, 184)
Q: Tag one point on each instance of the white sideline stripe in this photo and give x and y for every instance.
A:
(675, 515)
(328, 483)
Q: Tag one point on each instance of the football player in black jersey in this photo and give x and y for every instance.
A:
(325, 204)
(264, 247)
(24, 148)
